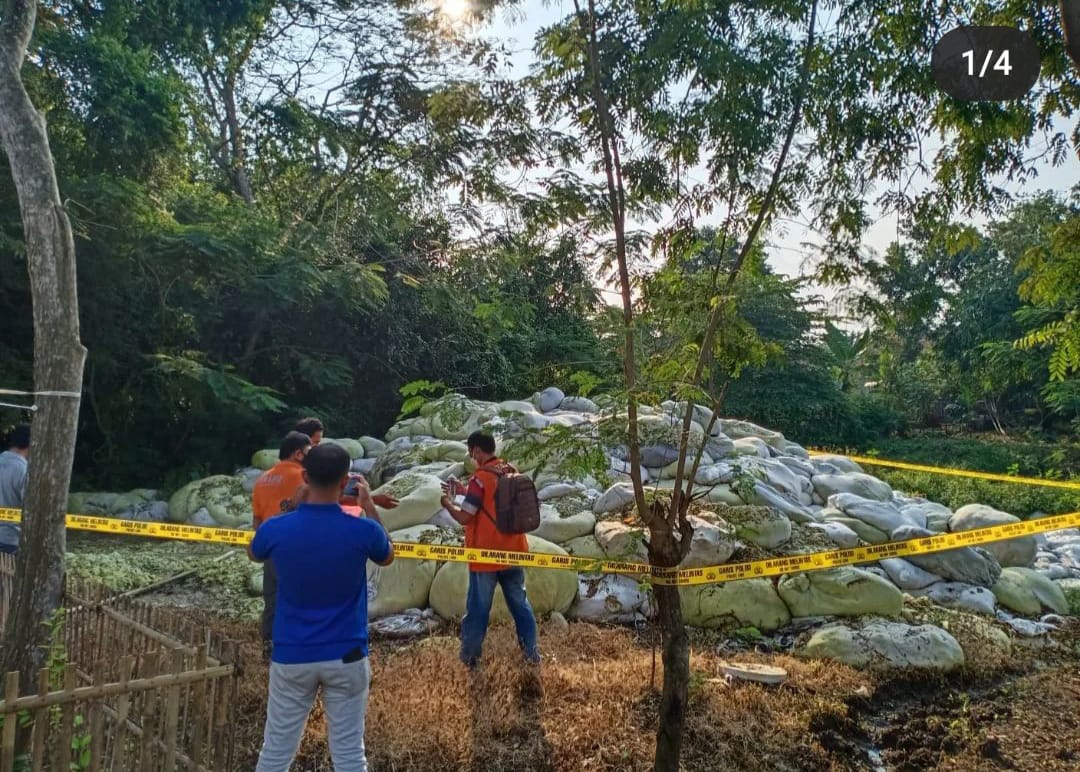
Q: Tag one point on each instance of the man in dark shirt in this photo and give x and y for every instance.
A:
(320, 626)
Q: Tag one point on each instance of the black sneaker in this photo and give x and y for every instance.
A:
(268, 650)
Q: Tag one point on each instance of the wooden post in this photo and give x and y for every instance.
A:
(41, 724)
(96, 723)
(172, 713)
(198, 710)
(127, 665)
(11, 723)
(149, 710)
(223, 718)
(234, 696)
(67, 720)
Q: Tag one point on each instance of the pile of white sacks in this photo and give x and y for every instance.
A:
(763, 495)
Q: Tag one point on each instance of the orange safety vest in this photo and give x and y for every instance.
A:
(274, 491)
(481, 533)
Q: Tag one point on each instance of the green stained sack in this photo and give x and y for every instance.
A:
(558, 528)
(865, 531)
(221, 495)
(264, 459)
(733, 604)
(455, 417)
(100, 502)
(457, 428)
(668, 472)
(405, 584)
(372, 447)
(662, 430)
(420, 426)
(764, 526)
(721, 494)
(79, 504)
(418, 500)
(1027, 592)
(844, 591)
(585, 547)
(124, 502)
(548, 589)
(353, 447)
(447, 450)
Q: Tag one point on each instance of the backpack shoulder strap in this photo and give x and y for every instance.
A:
(497, 471)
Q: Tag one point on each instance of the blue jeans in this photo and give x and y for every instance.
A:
(478, 608)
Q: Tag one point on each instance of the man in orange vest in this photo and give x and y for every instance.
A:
(277, 490)
(281, 489)
(477, 514)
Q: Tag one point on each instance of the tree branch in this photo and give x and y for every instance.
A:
(617, 202)
(748, 243)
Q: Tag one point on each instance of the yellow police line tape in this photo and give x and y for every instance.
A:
(656, 574)
(870, 461)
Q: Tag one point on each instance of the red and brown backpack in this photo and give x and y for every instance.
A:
(517, 507)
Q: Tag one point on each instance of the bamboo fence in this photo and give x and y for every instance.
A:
(129, 686)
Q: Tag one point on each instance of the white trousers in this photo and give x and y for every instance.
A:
(292, 693)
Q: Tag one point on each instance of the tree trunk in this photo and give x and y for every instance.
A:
(609, 145)
(58, 355)
(1070, 26)
(237, 156)
(675, 654)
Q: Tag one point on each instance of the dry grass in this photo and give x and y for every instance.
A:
(597, 710)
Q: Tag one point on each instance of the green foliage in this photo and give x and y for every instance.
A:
(80, 744)
(585, 381)
(380, 246)
(1029, 459)
(415, 393)
(214, 319)
(954, 492)
(744, 484)
(569, 451)
(1053, 283)
(225, 388)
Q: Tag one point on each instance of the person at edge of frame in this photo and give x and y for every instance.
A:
(14, 466)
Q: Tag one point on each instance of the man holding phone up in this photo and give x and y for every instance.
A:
(320, 626)
(476, 514)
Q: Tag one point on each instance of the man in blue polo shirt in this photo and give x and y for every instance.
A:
(320, 626)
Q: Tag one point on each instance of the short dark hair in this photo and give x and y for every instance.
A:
(309, 426)
(19, 437)
(326, 465)
(481, 440)
(293, 442)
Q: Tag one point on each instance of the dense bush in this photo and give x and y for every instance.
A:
(984, 454)
(1014, 498)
